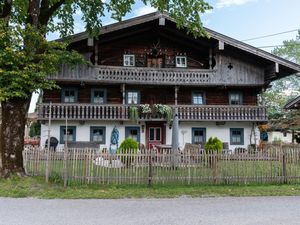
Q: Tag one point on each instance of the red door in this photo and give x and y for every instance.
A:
(154, 135)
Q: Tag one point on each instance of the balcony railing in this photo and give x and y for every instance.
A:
(136, 75)
(63, 111)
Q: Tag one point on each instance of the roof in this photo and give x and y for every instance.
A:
(293, 104)
(213, 34)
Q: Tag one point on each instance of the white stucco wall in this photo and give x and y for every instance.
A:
(185, 131)
(83, 130)
(280, 135)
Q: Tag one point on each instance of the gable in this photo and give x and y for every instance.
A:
(159, 26)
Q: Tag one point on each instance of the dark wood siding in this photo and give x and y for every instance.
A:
(156, 94)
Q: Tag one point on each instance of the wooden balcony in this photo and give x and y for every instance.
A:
(74, 111)
(136, 75)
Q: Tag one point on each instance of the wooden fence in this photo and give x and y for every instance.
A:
(275, 164)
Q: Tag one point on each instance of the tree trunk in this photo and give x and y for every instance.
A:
(14, 114)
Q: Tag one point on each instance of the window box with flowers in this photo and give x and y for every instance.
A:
(163, 111)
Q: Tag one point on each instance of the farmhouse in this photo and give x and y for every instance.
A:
(142, 69)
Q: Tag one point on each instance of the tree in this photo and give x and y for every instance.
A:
(26, 58)
(286, 88)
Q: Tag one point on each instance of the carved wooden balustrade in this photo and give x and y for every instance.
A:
(136, 75)
(62, 111)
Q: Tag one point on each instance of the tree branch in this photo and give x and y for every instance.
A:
(33, 12)
(47, 12)
(6, 10)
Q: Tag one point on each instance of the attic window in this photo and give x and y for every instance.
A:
(128, 60)
(181, 61)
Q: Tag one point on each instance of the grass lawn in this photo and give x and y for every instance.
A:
(36, 187)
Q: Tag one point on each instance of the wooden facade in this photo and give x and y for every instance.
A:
(215, 66)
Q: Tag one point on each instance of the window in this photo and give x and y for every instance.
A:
(128, 60)
(98, 96)
(132, 97)
(133, 132)
(69, 136)
(155, 133)
(181, 61)
(97, 134)
(69, 95)
(198, 98)
(198, 135)
(236, 136)
(235, 98)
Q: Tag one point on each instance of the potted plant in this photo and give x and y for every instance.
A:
(134, 114)
(164, 111)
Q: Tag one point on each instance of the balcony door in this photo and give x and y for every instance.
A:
(155, 134)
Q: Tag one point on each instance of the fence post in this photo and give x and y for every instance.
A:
(215, 155)
(284, 172)
(47, 165)
(65, 166)
(150, 170)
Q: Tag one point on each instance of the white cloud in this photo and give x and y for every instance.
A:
(144, 10)
(227, 3)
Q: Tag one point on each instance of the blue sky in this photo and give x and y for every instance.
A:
(239, 19)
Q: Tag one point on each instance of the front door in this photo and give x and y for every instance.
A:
(154, 134)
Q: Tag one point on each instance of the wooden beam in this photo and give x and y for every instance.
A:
(162, 21)
(96, 50)
(221, 45)
(123, 94)
(276, 67)
(210, 58)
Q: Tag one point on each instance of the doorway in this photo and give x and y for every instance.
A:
(155, 134)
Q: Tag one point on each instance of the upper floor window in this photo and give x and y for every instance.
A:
(235, 98)
(181, 61)
(128, 60)
(97, 134)
(98, 96)
(236, 136)
(132, 97)
(69, 95)
(198, 98)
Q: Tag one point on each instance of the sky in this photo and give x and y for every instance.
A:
(239, 19)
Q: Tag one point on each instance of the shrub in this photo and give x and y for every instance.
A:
(213, 144)
(128, 146)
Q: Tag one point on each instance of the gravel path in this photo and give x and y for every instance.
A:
(183, 211)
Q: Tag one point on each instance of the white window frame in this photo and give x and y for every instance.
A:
(130, 98)
(182, 63)
(127, 58)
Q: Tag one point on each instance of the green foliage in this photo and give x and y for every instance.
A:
(35, 130)
(164, 110)
(277, 140)
(26, 59)
(134, 114)
(128, 146)
(56, 178)
(286, 88)
(213, 144)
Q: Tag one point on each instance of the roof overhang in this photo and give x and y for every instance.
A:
(293, 68)
(293, 104)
